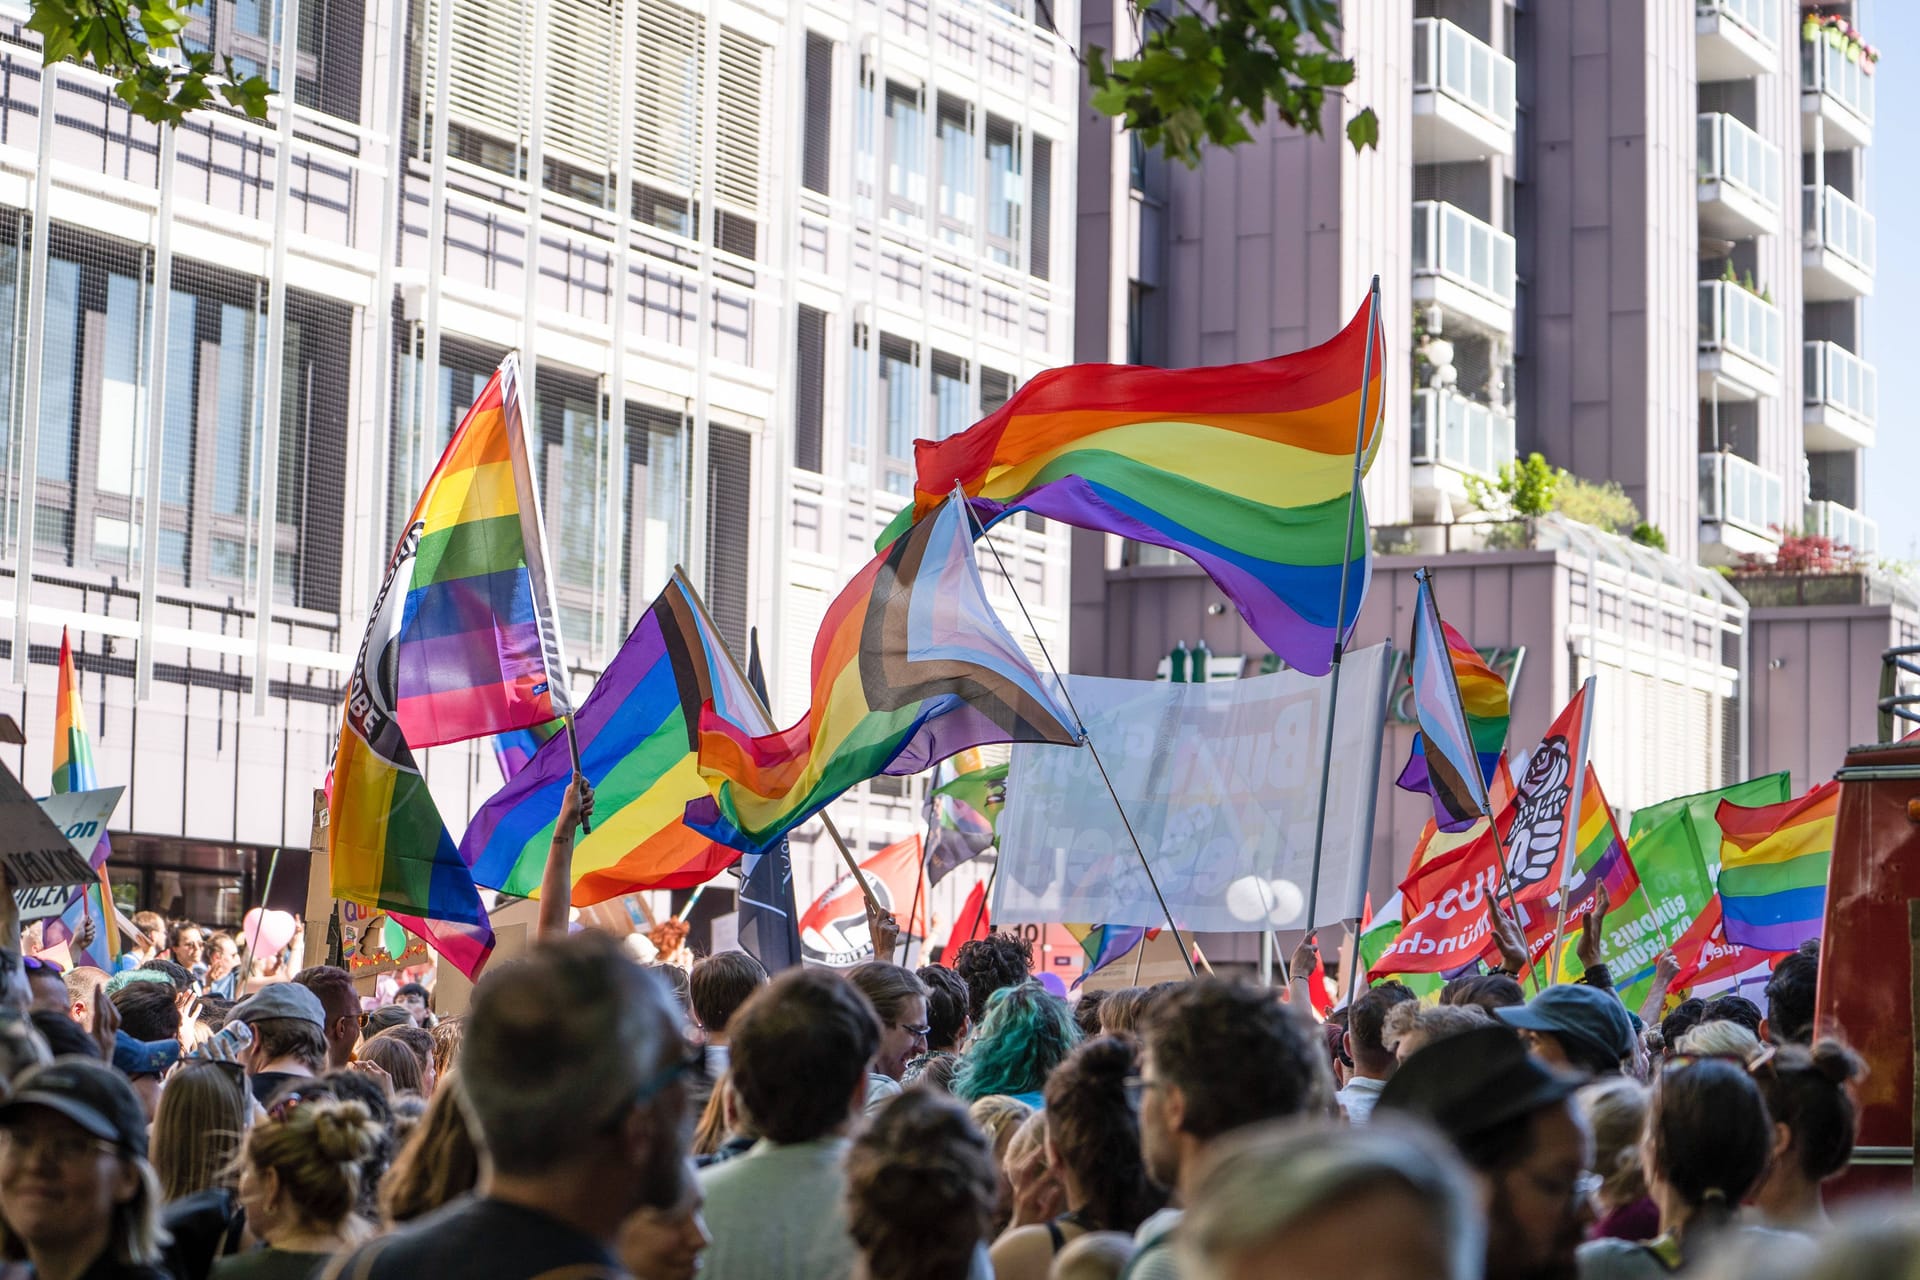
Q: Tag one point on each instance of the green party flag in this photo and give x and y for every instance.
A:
(1772, 788)
(1674, 889)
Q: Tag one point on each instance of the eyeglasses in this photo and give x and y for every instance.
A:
(1583, 1185)
(695, 1065)
(1137, 1086)
(34, 964)
(65, 1148)
(917, 1032)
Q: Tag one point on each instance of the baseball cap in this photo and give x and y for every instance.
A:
(92, 1095)
(1594, 1017)
(281, 1000)
(1469, 1083)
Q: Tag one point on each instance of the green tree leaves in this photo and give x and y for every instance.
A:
(131, 40)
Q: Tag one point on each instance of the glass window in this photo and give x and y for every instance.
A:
(956, 171)
(1003, 190)
(906, 156)
(123, 447)
(900, 383)
(952, 395)
(656, 502)
(864, 159)
(570, 489)
(176, 458)
(58, 385)
(233, 428)
(859, 382)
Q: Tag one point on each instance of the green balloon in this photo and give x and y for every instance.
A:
(394, 938)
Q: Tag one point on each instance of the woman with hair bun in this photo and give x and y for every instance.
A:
(299, 1183)
(1814, 1117)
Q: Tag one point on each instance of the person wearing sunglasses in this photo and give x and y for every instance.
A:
(77, 1196)
(574, 1073)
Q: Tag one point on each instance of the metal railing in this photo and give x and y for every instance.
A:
(1845, 526)
(1838, 225)
(1450, 242)
(1451, 430)
(1731, 319)
(1826, 69)
(1835, 376)
(1732, 153)
(1899, 710)
(1737, 492)
(1756, 16)
(1448, 60)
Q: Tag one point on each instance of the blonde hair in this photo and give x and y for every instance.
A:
(438, 1164)
(1719, 1039)
(997, 1115)
(446, 1035)
(1616, 1111)
(197, 1129)
(317, 1149)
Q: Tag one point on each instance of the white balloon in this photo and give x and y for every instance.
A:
(1272, 904)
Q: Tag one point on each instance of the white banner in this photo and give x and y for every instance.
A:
(1221, 783)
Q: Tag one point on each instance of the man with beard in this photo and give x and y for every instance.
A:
(1512, 1118)
(574, 1077)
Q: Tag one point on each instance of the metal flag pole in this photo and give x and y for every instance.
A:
(1066, 695)
(1340, 615)
(833, 832)
(573, 748)
(1577, 779)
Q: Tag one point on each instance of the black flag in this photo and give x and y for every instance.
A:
(769, 922)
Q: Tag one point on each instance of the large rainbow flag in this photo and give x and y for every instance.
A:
(636, 747)
(1462, 708)
(461, 644)
(1773, 868)
(911, 665)
(1246, 468)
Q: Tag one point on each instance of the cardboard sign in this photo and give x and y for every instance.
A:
(44, 844)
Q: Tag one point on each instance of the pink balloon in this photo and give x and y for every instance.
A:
(267, 932)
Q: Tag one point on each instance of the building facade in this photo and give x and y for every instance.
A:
(773, 245)
(1632, 238)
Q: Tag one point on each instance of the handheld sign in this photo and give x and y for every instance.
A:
(44, 845)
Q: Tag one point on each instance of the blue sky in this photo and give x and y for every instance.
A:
(1893, 194)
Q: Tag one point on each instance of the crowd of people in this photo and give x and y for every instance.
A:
(591, 1116)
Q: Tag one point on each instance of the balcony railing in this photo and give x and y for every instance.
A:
(1756, 16)
(1731, 319)
(1736, 155)
(1452, 243)
(1847, 527)
(1737, 492)
(1826, 69)
(1447, 60)
(1453, 431)
(1841, 380)
(1838, 225)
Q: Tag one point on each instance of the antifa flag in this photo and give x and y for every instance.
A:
(769, 921)
(833, 931)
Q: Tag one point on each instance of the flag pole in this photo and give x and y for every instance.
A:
(1578, 779)
(573, 748)
(1066, 695)
(1340, 614)
(833, 832)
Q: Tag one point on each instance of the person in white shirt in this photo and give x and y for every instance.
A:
(1373, 1062)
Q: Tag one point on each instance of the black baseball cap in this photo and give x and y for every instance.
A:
(1469, 1083)
(93, 1096)
(1594, 1017)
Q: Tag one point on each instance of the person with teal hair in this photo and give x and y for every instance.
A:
(1025, 1034)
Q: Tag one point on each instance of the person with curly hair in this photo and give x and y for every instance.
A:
(1026, 1033)
(1093, 1141)
(991, 964)
(920, 1191)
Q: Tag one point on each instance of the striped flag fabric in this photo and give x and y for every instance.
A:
(1105, 943)
(1773, 868)
(461, 644)
(636, 748)
(1245, 468)
(911, 665)
(512, 749)
(964, 798)
(73, 771)
(1601, 859)
(1455, 752)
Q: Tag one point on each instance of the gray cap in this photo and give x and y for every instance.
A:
(281, 1000)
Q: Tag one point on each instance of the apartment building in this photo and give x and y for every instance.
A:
(772, 244)
(1633, 238)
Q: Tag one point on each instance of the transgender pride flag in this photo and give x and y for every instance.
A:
(1447, 755)
(462, 644)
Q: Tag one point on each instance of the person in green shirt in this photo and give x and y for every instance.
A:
(299, 1183)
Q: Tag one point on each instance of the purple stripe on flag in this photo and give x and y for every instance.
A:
(464, 605)
(470, 660)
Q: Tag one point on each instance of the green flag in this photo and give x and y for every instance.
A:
(982, 790)
(1772, 788)
(1674, 889)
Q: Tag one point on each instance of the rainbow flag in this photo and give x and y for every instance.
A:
(1773, 868)
(911, 665)
(637, 748)
(1600, 859)
(1463, 710)
(1104, 943)
(1245, 468)
(72, 747)
(512, 749)
(461, 644)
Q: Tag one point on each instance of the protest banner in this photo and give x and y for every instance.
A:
(44, 844)
(1221, 784)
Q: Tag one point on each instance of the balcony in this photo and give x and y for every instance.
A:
(1464, 265)
(1847, 527)
(1740, 508)
(1734, 39)
(1739, 179)
(1836, 97)
(1739, 343)
(1462, 95)
(1842, 399)
(1837, 247)
(1454, 437)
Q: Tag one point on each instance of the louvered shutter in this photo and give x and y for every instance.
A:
(579, 124)
(729, 520)
(737, 182)
(816, 143)
(809, 399)
(667, 92)
(1040, 258)
(488, 86)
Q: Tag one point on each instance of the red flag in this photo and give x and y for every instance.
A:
(972, 922)
(833, 931)
(1451, 926)
(1705, 955)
